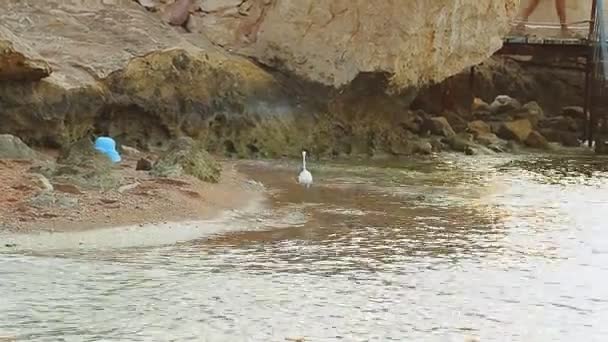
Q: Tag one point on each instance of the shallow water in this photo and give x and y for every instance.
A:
(434, 250)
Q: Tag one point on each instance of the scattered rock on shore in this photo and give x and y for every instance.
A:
(575, 112)
(11, 147)
(531, 111)
(566, 138)
(82, 165)
(185, 156)
(439, 126)
(537, 140)
(130, 151)
(42, 182)
(601, 147)
(50, 199)
(503, 104)
(517, 130)
(143, 164)
(478, 127)
(488, 139)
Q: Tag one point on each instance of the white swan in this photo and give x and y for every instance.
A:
(305, 177)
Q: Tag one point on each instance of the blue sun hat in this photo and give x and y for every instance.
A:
(107, 146)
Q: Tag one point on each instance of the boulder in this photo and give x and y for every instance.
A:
(41, 182)
(575, 112)
(498, 148)
(530, 111)
(187, 157)
(11, 147)
(423, 147)
(488, 139)
(437, 144)
(82, 165)
(143, 164)
(461, 142)
(480, 105)
(566, 138)
(457, 122)
(561, 123)
(601, 146)
(413, 124)
(504, 104)
(478, 127)
(536, 140)
(517, 130)
(178, 12)
(439, 126)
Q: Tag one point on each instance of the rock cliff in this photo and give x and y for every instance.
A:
(417, 41)
(251, 77)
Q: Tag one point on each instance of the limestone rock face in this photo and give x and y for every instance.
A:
(18, 62)
(332, 41)
(105, 64)
(73, 68)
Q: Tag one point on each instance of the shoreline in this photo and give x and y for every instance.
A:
(153, 202)
(128, 236)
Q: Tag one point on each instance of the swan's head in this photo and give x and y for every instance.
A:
(304, 154)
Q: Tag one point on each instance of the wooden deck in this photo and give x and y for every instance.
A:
(550, 46)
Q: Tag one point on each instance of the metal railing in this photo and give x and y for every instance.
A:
(599, 45)
(598, 73)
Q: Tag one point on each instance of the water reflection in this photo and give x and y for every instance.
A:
(586, 170)
(432, 250)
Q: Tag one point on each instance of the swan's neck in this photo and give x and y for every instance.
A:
(304, 161)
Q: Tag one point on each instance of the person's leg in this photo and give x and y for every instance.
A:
(531, 7)
(526, 14)
(560, 7)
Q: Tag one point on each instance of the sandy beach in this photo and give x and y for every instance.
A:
(142, 199)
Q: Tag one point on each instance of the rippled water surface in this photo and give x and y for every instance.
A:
(435, 250)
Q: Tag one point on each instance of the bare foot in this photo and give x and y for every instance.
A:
(519, 30)
(567, 33)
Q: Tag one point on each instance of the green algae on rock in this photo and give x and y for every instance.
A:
(186, 156)
(11, 147)
(82, 165)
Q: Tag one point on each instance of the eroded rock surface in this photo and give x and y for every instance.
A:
(111, 63)
(187, 157)
(113, 67)
(332, 41)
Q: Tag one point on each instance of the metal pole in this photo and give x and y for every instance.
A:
(472, 81)
(587, 100)
(592, 21)
(590, 75)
